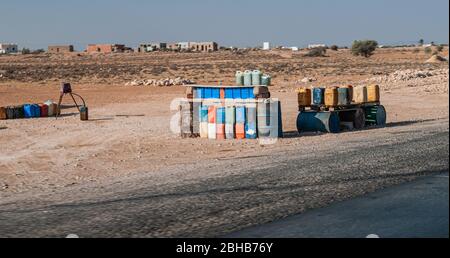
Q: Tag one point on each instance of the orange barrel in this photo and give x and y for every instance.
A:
(304, 97)
(240, 122)
(240, 131)
(220, 123)
(360, 95)
(331, 97)
(373, 93)
(212, 122)
(3, 113)
(44, 110)
(350, 92)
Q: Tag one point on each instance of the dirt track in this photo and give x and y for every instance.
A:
(127, 150)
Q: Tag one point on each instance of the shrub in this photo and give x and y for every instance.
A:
(364, 47)
(26, 51)
(38, 51)
(439, 48)
(428, 50)
(317, 52)
(334, 48)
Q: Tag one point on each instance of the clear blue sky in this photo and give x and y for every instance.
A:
(36, 24)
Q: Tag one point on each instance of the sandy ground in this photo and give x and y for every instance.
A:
(129, 134)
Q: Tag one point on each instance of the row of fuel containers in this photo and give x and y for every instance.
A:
(228, 92)
(338, 96)
(252, 78)
(46, 109)
(250, 120)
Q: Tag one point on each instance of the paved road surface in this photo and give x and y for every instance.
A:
(415, 209)
(213, 199)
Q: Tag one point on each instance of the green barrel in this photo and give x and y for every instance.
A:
(375, 115)
(266, 80)
(247, 78)
(312, 121)
(239, 78)
(256, 77)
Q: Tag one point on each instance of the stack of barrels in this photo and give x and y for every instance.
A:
(338, 96)
(229, 112)
(252, 78)
(46, 109)
(354, 108)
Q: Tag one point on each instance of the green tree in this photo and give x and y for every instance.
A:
(364, 47)
(421, 42)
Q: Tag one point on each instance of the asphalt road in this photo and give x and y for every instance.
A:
(417, 209)
(228, 195)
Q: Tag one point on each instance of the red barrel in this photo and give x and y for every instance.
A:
(44, 110)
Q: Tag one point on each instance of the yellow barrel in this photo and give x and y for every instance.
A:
(331, 97)
(304, 97)
(373, 93)
(360, 95)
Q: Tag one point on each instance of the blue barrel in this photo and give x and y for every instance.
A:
(31, 111)
(250, 124)
(244, 93)
(199, 93)
(229, 93)
(36, 110)
(318, 96)
(220, 119)
(215, 93)
(27, 111)
(237, 93)
(207, 93)
(343, 97)
(240, 115)
(312, 121)
(204, 114)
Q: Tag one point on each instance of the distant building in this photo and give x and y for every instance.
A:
(311, 46)
(266, 46)
(173, 46)
(60, 49)
(8, 48)
(106, 48)
(195, 46)
(184, 45)
(204, 46)
(152, 47)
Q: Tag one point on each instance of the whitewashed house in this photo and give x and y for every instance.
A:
(8, 48)
(311, 46)
(266, 46)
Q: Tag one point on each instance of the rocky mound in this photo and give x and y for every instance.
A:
(432, 81)
(436, 59)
